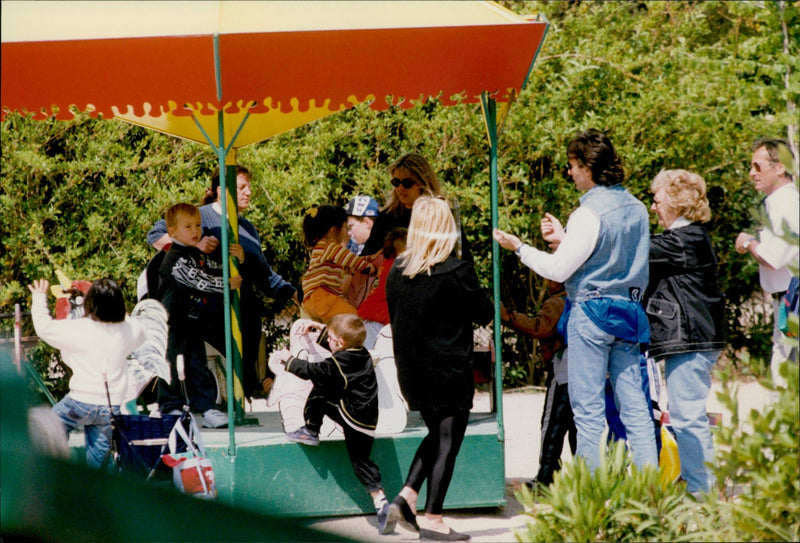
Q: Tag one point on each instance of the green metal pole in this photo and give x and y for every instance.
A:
(226, 272)
(490, 114)
(226, 275)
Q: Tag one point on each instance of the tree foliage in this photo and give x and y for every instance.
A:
(676, 84)
(757, 497)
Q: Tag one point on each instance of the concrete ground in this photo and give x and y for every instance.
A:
(522, 409)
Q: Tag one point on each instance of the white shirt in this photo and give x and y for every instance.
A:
(783, 210)
(582, 232)
(95, 351)
(680, 222)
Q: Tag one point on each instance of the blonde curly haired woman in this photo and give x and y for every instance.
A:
(687, 315)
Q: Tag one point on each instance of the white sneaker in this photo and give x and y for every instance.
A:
(214, 418)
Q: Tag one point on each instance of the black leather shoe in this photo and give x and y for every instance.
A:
(452, 535)
(400, 511)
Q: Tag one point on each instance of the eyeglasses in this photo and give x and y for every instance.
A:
(407, 182)
(757, 166)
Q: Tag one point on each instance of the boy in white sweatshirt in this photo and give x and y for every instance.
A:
(95, 347)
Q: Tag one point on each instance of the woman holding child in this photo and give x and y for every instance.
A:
(256, 273)
(434, 299)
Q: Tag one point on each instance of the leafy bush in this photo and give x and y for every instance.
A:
(758, 496)
(616, 502)
(46, 361)
(757, 468)
(677, 84)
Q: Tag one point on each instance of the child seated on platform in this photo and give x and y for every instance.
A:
(346, 390)
(325, 233)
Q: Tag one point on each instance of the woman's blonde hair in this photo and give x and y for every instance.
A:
(421, 171)
(686, 192)
(432, 235)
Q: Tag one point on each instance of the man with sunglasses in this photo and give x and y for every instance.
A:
(776, 247)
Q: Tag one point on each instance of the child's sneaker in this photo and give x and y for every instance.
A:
(304, 436)
(385, 524)
(214, 418)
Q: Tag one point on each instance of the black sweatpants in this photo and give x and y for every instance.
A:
(358, 444)
(201, 387)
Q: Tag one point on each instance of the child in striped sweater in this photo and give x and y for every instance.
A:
(325, 233)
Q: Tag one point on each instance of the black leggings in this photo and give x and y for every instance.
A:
(436, 456)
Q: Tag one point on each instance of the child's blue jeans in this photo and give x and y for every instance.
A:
(96, 421)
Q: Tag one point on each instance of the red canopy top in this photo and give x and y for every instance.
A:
(55, 55)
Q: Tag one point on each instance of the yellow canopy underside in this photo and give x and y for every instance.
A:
(258, 127)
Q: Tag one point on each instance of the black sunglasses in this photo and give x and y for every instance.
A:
(407, 182)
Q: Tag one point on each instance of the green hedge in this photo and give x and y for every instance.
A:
(677, 85)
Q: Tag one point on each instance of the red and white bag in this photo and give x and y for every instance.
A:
(191, 470)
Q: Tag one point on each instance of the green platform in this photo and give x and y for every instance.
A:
(297, 480)
(270, 474)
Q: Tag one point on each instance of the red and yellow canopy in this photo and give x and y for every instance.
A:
(286, 63)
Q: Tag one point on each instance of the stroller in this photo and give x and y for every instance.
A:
(163, 448)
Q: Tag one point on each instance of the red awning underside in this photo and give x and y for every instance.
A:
(306, 65)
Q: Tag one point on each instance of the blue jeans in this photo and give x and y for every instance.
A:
(688, 384)
(96, 422)
(593, 354)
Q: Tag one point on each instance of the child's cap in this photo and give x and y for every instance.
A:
(362, 206)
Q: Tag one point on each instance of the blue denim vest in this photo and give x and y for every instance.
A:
(618, 266)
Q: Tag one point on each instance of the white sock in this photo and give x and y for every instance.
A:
(378, 501)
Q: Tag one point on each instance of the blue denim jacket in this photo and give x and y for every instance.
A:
(618, 266)
(611, 282)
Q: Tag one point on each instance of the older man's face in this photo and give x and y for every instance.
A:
(766, 174)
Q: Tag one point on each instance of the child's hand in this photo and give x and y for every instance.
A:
(504, 314)
(237, 251)
(208, 244)
(312, 326)
(39, 285)
(506, 240)
(236, 282)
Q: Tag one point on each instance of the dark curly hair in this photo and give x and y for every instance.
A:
(594, 150)
(318, 220)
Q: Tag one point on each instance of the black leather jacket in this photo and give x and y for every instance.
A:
(683, 304)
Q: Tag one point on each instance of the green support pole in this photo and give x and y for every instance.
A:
(233, 303)
(490, 115)
(226, 274)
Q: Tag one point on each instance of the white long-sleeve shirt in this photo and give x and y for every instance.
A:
(95, 351)
(779, 241)
(582, 231)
